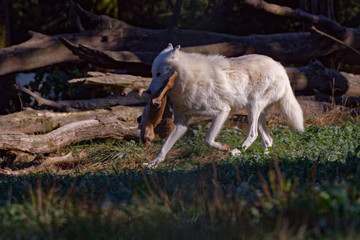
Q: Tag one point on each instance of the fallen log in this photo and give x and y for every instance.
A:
(39, 122)
(315, 77)
(131, 99)
(123, 82)
(135, 63)
(67, 135)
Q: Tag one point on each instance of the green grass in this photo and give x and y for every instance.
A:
(307, 187)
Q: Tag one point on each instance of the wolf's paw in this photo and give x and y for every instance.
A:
(267, 150)
(235, 152)
(151, 164)
(154, 163)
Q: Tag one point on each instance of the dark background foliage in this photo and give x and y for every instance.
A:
(227, 16)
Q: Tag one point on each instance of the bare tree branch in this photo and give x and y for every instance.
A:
(46, 102)
(335, 40)
(125, 60)
(320, 20)
(132, 99)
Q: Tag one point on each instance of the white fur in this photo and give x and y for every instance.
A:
(215, 85)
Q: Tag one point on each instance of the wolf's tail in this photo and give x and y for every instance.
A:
(291, 109)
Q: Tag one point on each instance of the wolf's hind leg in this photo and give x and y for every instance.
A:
(216, 124)
(264, 132)
(254, 110)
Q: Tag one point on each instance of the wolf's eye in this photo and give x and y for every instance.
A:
(158, 74)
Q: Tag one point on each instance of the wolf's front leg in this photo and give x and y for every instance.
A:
(176, 134)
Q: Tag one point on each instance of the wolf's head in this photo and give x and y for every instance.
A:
(162, 68)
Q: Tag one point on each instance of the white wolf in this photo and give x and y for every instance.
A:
(215, 86)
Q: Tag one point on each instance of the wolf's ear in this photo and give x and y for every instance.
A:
(168, 48)
(175, 51)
